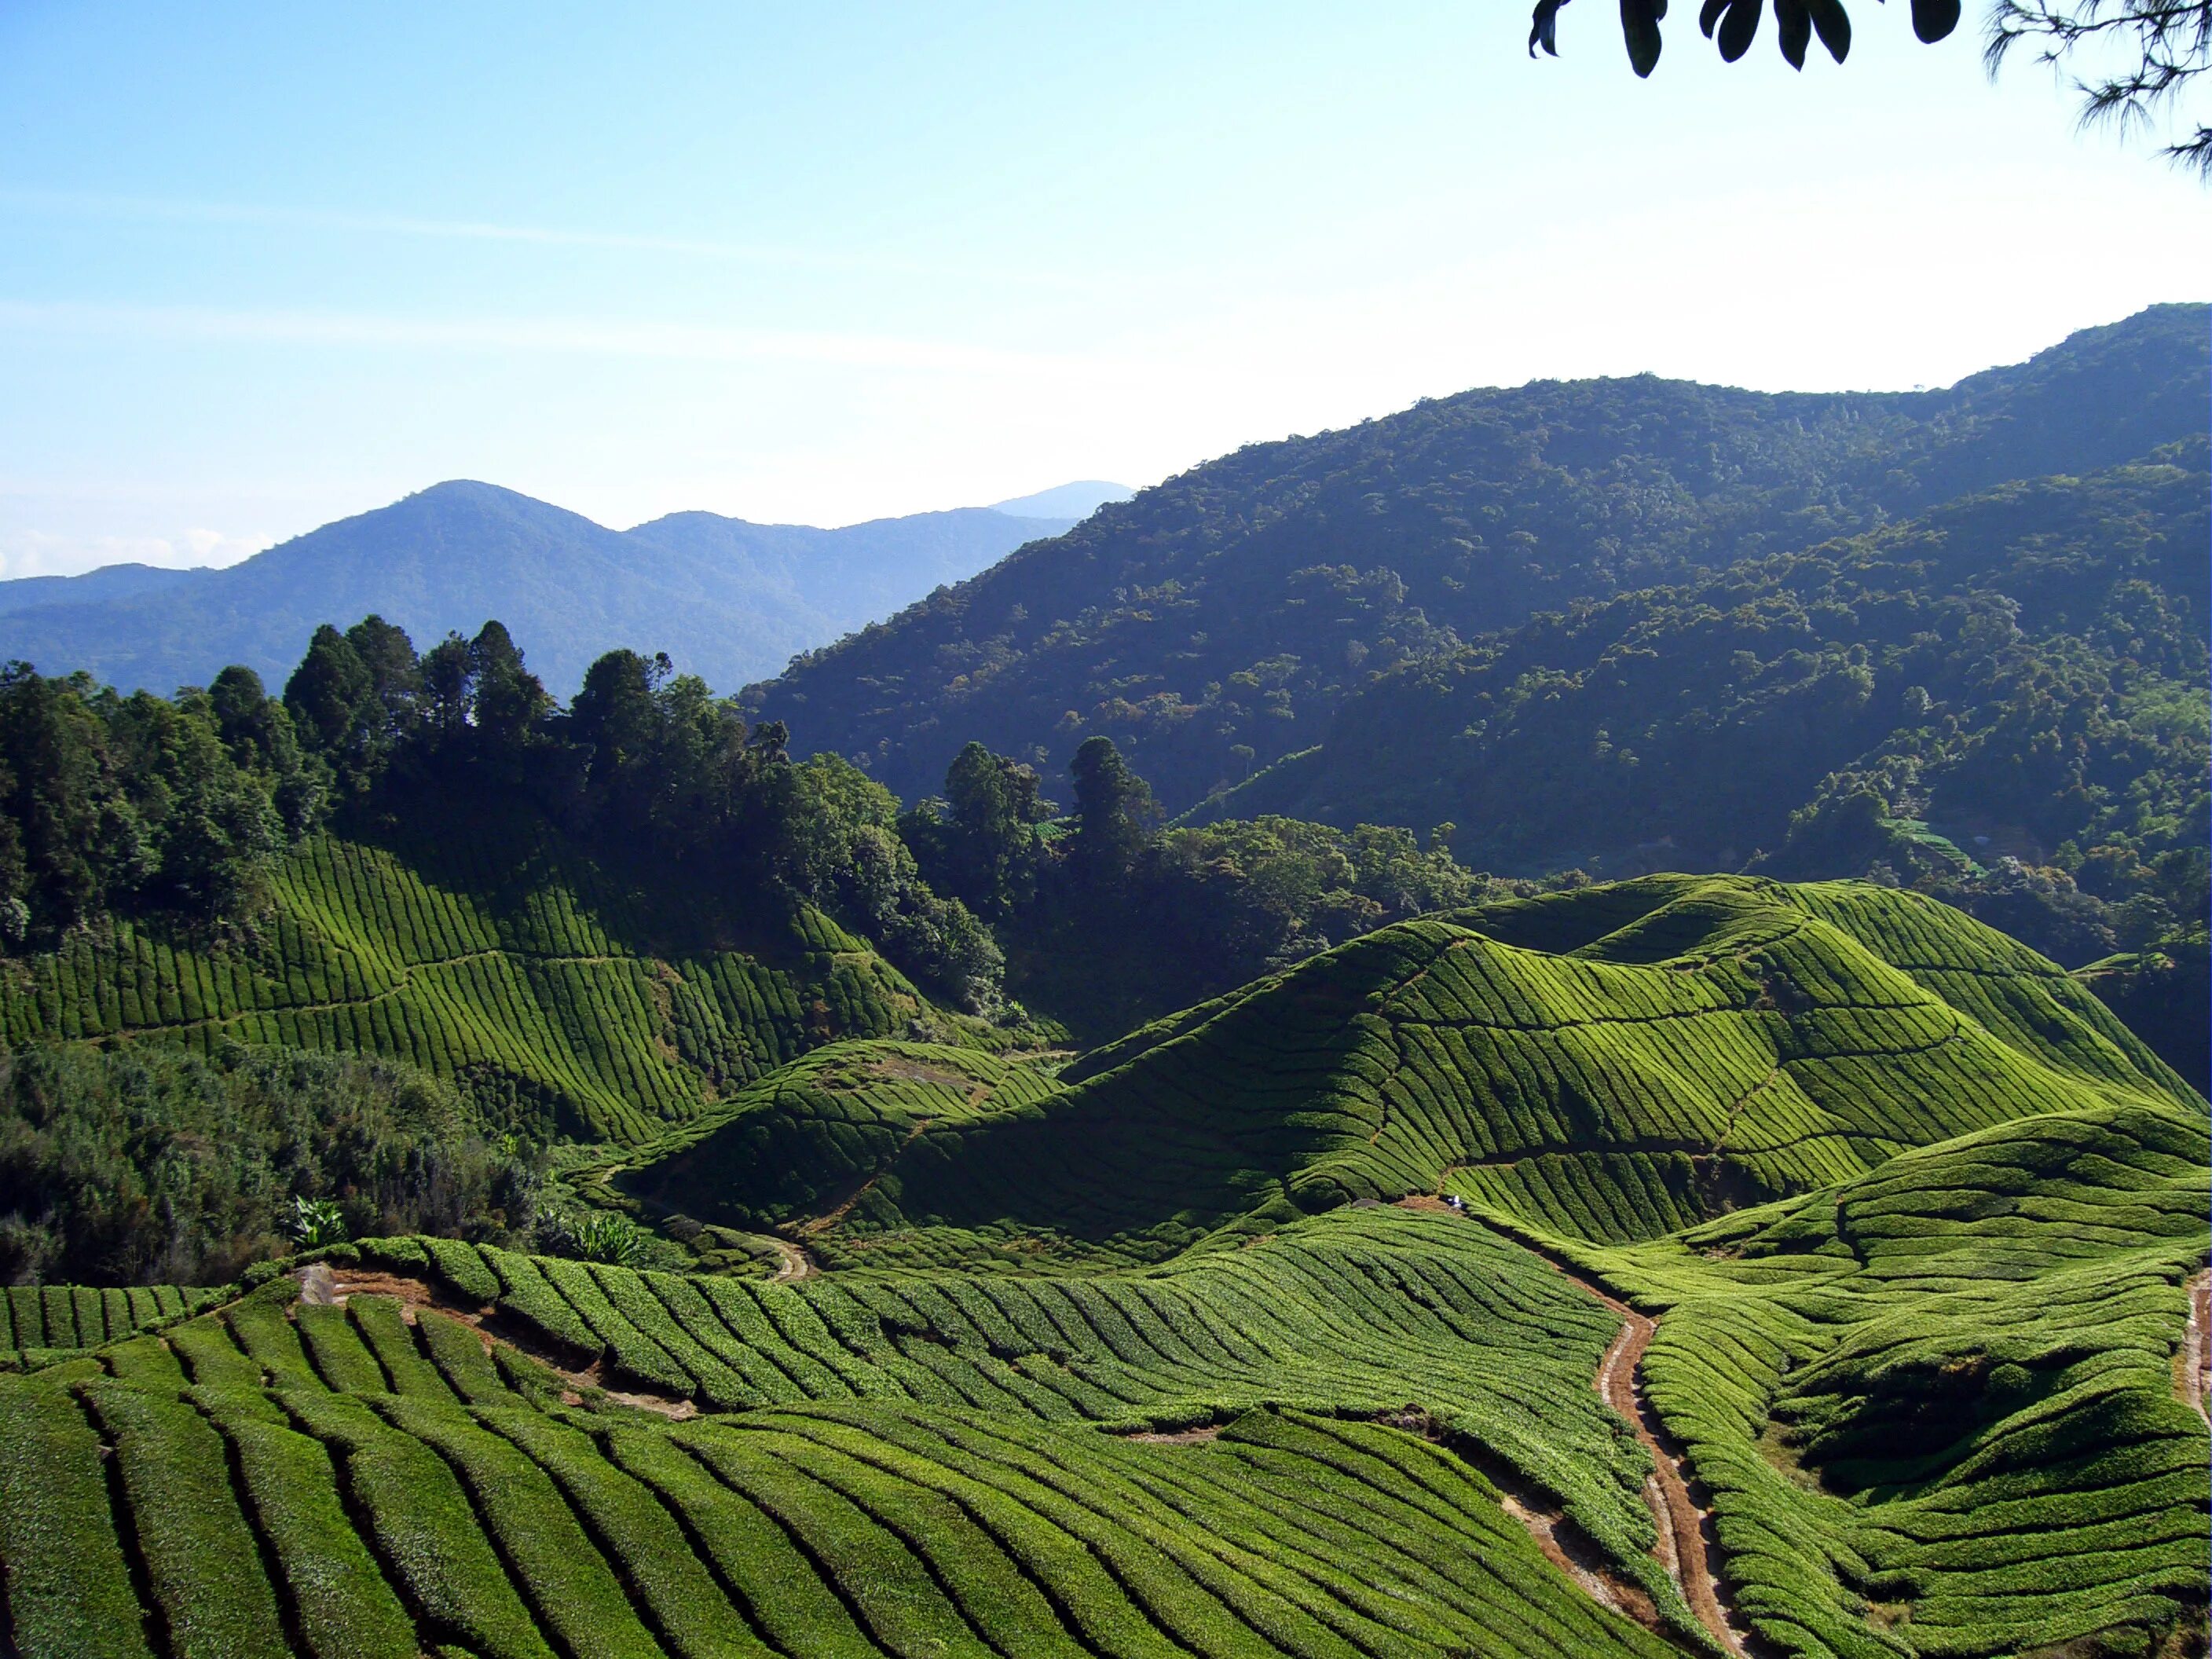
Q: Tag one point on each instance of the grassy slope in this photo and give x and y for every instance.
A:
(1612, 1064)
(565, 999)
(1937, 1407)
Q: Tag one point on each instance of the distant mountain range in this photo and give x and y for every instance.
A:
(1067, 500)
(726, 599)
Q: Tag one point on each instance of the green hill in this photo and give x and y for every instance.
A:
(1931, 1411)
(566, 998)
(1610, 1063)
(2019, 674)
(1215, 623)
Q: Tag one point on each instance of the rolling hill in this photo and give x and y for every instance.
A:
(1216, 623)
(726, 599)
(1610, 1063)
(1830, 1285)
(566, 998)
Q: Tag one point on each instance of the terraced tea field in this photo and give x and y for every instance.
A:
(1830, 1282)
(563, 1002)
(1610, 1064)
(43, 1325)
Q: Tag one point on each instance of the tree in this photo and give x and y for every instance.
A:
(2162, 46)
(506, 700)
(1113, 816)
(329, 695)
(994, 809)
(395, 679)
(1733, 24)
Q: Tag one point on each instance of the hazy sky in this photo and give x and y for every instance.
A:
(262, 266)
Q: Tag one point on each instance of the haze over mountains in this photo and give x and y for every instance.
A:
(726, 599)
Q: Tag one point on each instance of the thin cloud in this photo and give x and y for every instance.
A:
(676, 342)
(160, 209)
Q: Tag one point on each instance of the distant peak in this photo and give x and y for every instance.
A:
(1067, 500)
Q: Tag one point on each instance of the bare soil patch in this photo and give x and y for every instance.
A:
(321, 1284)
(2193, 1365)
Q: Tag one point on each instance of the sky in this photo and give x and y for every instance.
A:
(262, 266)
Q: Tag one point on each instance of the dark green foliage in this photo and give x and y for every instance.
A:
(2015, 680)
(1214, 624)
(139, 805)
(174, 812)
(155, 1164)
(2161, 994)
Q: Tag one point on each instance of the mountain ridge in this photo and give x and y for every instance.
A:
(727, 598)
(1213, 625)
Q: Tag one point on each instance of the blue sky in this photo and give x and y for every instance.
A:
(265, 265)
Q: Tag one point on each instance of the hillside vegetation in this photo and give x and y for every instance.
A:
(1610, 1063)
(1214, 623)
(2019, 675)
(1941, 1394)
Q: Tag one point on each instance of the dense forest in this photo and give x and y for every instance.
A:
(2002, 700)
(1215, 623)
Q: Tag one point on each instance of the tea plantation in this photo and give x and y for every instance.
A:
(1686, 1265)
(1611, 1064)
(566, 1001)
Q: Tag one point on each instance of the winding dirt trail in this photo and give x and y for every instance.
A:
(2193, 1367)
(1688, 1548)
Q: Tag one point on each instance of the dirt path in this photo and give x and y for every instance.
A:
(321, 1286)
(2193, 1369)
(796, 1265)
(1688, 1546)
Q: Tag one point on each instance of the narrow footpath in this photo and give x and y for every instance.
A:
(1688, 1546)
(2193, 1370)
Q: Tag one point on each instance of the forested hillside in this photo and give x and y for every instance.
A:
(2017, 676)
(726, 599)
(1216, 623)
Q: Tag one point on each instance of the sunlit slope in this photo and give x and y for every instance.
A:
(563, 999)
(1612, 1064)
(1942, 1408)
(42, 1324)
(921, 1475)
